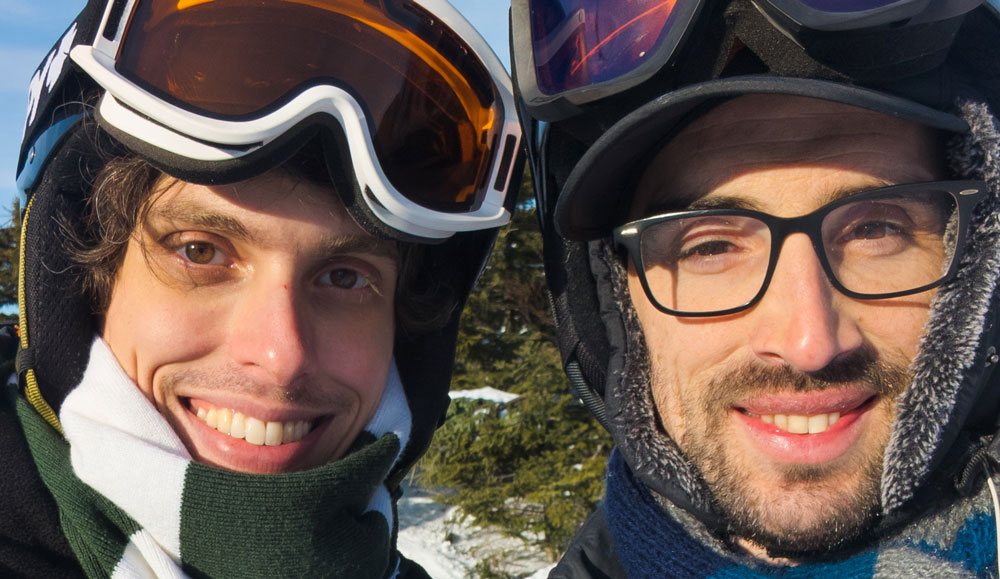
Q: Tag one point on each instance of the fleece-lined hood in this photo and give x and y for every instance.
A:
(946, 418)
(943, 416)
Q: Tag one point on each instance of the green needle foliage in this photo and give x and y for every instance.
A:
(10, 237)
(533, 467)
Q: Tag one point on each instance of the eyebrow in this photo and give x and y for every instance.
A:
(360, 243)
(227, 226)
(196, 215)
(842, 192)
(733, 202)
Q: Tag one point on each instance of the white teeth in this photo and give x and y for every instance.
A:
(273, 433)
(239, 425)
(223, 419)
(800, 423)
(253, 430)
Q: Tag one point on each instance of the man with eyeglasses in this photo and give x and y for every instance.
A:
(773, 249)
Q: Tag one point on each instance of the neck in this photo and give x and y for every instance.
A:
(760, 553)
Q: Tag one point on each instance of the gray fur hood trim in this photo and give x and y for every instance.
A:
(933, 409)
(950, 372)
(651, 454)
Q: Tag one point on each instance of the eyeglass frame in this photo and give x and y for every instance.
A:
(967, 195)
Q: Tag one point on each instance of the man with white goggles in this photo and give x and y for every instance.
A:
(583, 51)
(420, 112)
(249, 229)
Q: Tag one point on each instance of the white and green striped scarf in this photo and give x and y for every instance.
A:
(133, 503)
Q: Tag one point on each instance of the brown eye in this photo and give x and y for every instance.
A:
(344, 278)
(200, 253)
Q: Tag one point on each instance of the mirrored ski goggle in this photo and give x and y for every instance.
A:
(571, 52)
(425, 107)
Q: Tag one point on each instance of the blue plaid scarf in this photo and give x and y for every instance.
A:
(960, 542)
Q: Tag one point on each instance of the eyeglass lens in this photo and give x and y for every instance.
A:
(875, 245)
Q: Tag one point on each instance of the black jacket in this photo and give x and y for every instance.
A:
(31, 540)
(591, 554)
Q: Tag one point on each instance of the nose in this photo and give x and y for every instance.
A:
(801, 319)
(269, 332)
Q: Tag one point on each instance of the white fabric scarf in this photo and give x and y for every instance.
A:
(122, 447)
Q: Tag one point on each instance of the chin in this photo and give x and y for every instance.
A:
(813, 513)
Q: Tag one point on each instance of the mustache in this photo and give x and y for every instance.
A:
(862, 367)
(232, 380)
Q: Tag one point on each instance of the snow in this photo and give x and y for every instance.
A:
(487, 393)
(432, 535)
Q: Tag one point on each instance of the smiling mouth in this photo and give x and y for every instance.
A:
(253, 430)
(799, 423)
(816, 423)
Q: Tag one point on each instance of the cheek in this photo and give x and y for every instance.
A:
(674, 353)
(355, 349)
(149, 325)
(684, 353)
(896, 327)
(684, 347)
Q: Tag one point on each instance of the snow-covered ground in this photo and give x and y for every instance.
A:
(430, 534)
(485, 393)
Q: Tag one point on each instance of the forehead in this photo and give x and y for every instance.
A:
(273, 197)
(274, 210)
(765, 141)
(277, 191)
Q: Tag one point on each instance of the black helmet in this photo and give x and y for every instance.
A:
(602, 86)
(403, 99)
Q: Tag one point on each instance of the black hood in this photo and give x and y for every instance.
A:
(950, 405)
(950, 409)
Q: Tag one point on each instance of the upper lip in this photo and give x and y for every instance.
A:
(807, 403)
(256, 410)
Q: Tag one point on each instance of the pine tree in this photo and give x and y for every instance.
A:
(532, 467)
(10, 237)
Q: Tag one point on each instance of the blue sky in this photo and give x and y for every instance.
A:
(29, 28)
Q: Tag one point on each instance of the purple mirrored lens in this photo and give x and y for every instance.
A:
(579, 43)
(841, 6)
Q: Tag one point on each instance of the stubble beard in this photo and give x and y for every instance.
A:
(807, 509)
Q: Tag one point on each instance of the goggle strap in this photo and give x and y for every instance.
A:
(204, 173)
(340, 168)
(859, 56)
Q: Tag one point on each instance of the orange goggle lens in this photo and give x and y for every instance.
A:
(432, 108)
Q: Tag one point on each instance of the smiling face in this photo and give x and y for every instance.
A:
(258, 318)
(740, 393)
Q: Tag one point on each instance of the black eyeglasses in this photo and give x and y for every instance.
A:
(883, 243)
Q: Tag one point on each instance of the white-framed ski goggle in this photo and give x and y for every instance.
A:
(425, 107)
